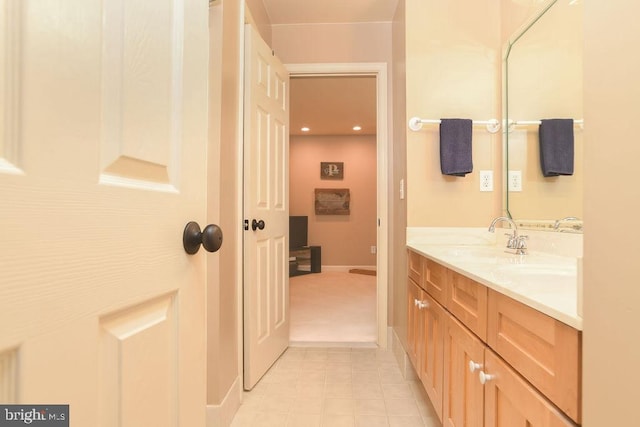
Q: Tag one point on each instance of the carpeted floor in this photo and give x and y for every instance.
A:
(333, 307)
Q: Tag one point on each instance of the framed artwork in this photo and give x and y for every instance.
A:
(332, 170)
(332, 201)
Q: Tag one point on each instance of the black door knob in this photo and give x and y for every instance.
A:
(255, 224)
(210, 238)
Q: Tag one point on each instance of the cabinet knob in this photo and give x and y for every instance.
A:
(420, 304)
(473, 366)
(423, 304)
(485, 377)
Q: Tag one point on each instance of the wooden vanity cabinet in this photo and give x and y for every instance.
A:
(466, 299)
(415, 266)
(436, 280)
(530, 359)
(425, 338)
(414, 338)
(431, 364)
(505, 400)
(463, 404)
(510, 401)
(544, 350)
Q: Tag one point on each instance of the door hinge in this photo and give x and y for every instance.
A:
(246, 224)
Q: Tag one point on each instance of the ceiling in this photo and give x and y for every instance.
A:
(331, 105)
(283, 12)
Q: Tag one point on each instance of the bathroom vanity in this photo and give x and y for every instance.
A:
(495, 338)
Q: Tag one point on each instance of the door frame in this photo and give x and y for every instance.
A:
(379, 70)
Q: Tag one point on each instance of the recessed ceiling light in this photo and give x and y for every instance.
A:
(356, 128)
(305, 129)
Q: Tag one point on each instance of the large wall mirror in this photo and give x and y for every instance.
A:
(543, 80)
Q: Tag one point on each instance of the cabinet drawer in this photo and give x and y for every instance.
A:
(467, 300)
(543, 350)
(414, 261)
(435, 280)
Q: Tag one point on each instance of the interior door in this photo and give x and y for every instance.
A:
(266, 205)
(102, 163)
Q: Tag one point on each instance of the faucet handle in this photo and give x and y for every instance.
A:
(511, 243)
(521, 245)
(522, 241)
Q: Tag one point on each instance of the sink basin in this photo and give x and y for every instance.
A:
(538, 274)
(539, 270)
(472, 251)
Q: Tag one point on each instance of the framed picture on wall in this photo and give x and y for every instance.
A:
(332, 201)
(331, 170)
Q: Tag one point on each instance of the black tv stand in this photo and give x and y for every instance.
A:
(305, 260)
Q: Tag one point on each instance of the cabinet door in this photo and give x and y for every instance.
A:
(414, 295)
(463, 393)
(511, 402)
(433, 318)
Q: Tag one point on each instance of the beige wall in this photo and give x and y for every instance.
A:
(222, 325)
(258, 16)
(346, 240)
(453, 67)
(331, 43)
(611, 340)
(398, 206)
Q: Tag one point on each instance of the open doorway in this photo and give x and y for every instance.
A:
(332, 187)
(346, 301)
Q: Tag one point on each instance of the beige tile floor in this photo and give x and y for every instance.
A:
(336, 386)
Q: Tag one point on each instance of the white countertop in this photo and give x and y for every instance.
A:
(546, 282)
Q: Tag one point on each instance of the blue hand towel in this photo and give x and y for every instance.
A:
(556, 147)
(455, 146)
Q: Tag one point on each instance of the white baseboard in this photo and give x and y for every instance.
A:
(222, 415)
(402, 358)
(346, 268)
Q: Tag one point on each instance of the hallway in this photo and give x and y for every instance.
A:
(334, 387)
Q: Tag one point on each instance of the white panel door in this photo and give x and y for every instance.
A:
(102, 163)
(266, 201)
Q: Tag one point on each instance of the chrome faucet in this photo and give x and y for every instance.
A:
(518, 243)
(556, 225)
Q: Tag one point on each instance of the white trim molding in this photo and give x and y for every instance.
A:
(379, 70)
(10, 79)
(222, 414)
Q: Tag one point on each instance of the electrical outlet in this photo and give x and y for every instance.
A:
(486, 180)
(373, 249)
(515, 181)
